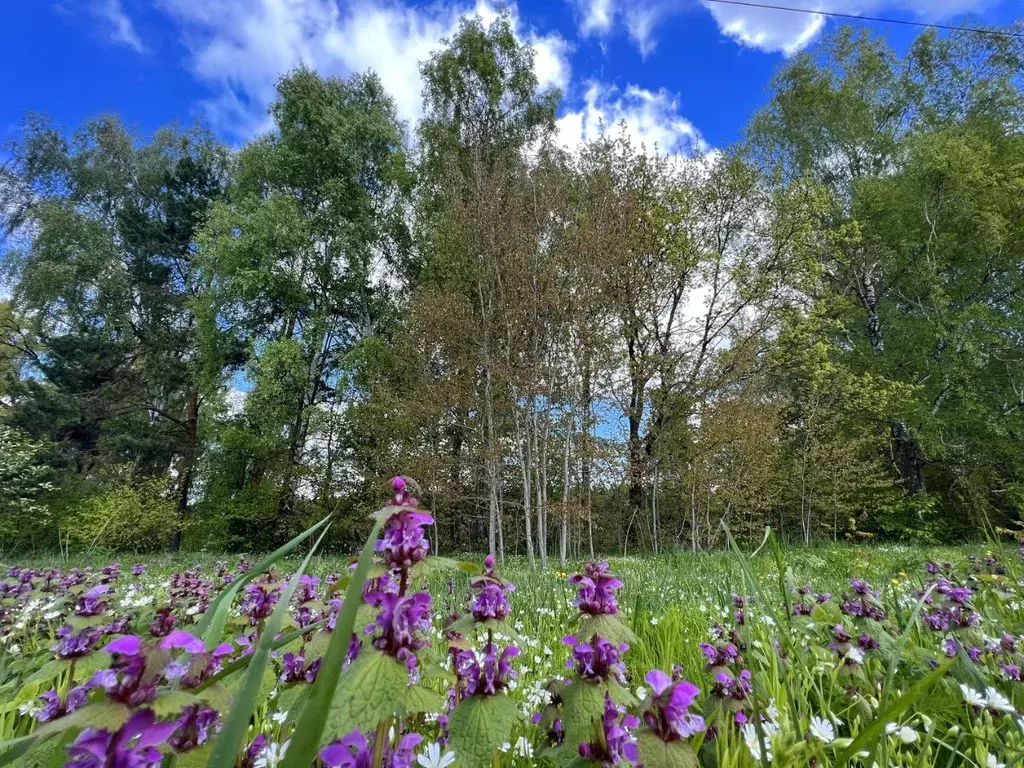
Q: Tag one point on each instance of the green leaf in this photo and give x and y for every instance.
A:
(372, 689)
(655, 753)
(306, 737)
(479, 726)
(582, 706)
(229, 742)
(194, 758)
(605, 626)
(49, 670)
(104, 714)
(168, 703)
(419, 699)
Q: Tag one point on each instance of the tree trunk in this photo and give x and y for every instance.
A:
(186, 468)
(910, 460)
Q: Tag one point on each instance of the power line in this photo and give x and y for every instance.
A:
(836, 15)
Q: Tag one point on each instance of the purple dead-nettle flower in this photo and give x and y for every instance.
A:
(720, 655)
(73, 646)
(735, 687)
(399, 627)
(182, 640)
(295, 670)
(132, 746)
(616, 745)
(163, 622)
(866, 642)
(333, 610)
(259, 602)
(194, 727)
(354, 750)
(488, 674)
(306, 591)
(404, 543)
(128, 680)
(305, 616)
(53, 707)
(669, 716)
(138, 569)
(598, 660)
(254, 750)
(597, 589)
(92, 603)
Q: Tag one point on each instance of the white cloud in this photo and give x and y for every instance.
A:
(241, 47)
(119, 26)
(766, 29)
(650, 119)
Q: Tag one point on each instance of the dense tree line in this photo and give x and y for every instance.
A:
(597, 349)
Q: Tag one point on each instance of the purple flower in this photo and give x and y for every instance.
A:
(399, 626)
(53, 707)
(259, 602)
(132, 746)
(597, 588)
(180, 639)
(138, 569)
(403, 543)
(162, 623)
(72, 646)
(306, 591)
(616, 745)
(721, 655)
(669, 717)
(597, 660)
(294, 669)
(91, 603)
(193, 727)
(735, 687)
(490, 602)
(489, 675)
(354, 750)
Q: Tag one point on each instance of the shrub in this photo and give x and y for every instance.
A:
(132, 515)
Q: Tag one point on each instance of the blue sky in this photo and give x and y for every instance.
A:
(684, 74)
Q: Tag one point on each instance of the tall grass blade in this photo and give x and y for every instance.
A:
(306, 737)
(211, 626)
(871, 733)
(229, 742)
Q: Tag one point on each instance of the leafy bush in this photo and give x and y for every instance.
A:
(23, 481)
(131, 516)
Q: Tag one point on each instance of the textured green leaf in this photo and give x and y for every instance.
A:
(168, 703)
(49, 670)
(655, 753)
(419, 699)
(109, 715)
(608, 627)
(194, 758)
(479, 726)
(582, 707)
(372, 689)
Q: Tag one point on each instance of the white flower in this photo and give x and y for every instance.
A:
(992, 762)
(822, 730)
(523, 747)
(995, 700)
(907, 735)
(855, 655)
(505, 747)
(641, 692)
(434, 758)
(753, 743)
(971, 696)
(272, 755)
(654, 621)
(279, 717)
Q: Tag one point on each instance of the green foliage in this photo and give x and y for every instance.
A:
(23, 481)
(479, 726)
(131, 515)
